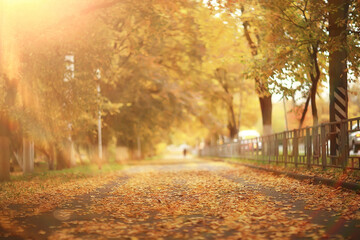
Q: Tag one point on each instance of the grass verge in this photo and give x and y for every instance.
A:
(336, 174)
(79, 171)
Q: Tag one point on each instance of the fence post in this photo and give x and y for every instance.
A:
(269, 150)
(273, 147)
(308, 147)
(276, 146)
(237, 149)
(233, 149)
(240, 148)
(296, 147)
(257, 149)
(316, 141)
(285, 149)
(263, 149)
(323, 147)
(344, 144)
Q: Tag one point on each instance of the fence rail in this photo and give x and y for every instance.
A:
(308, 146)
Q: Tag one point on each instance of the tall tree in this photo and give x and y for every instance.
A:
(243, 11)
(338, 22)
(300, 27)
(155, 52)
(338, 19)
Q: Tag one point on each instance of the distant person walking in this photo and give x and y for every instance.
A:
(184, 152)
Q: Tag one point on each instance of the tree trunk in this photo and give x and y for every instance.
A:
(265, 101)
(266, 112)
(52, 157)
(49, 152)
(305, 111)
(314, 82)
(313, 104)
(338, 18)
(4, 148)
(62, 158)
(4, 158)
(6, 127)
(315, 133)
(28, 156)
(233, 130)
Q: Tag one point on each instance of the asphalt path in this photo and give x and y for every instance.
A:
(195, 199)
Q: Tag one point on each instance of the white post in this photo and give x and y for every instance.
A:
(72, 154)
(28, 157)
(70, 147)
(139, 147)
(99, 135)
(32, 153)
(98, 74)
(286, 121)
(68, 76)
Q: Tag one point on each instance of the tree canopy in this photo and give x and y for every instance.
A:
(162, 65)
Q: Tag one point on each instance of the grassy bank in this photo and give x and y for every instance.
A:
(79, 171)
(48, 189)
(331, 173)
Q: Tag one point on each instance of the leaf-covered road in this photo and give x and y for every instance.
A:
(183, 199)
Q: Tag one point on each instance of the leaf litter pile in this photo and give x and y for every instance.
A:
(198, 201)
